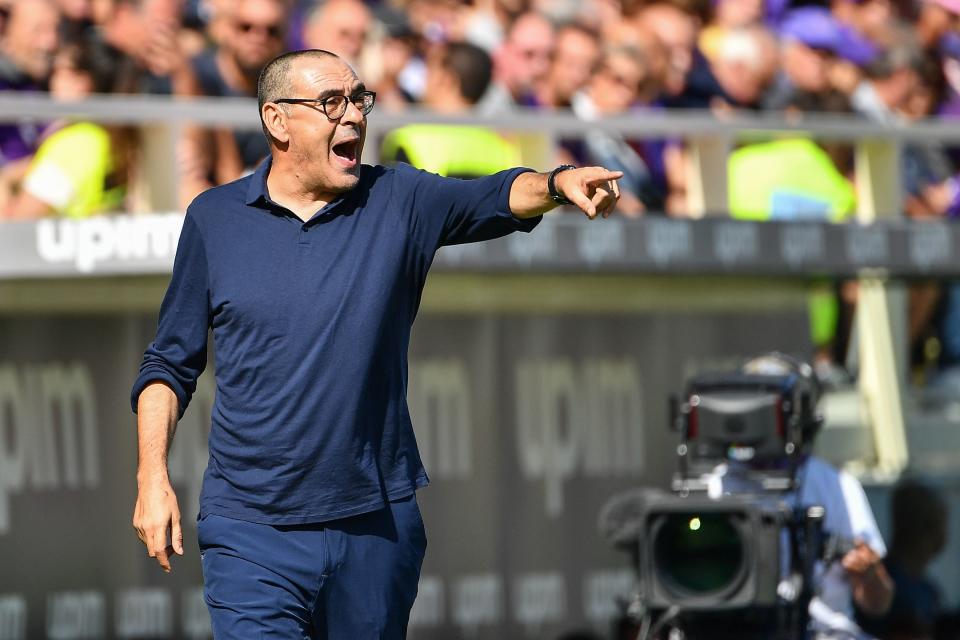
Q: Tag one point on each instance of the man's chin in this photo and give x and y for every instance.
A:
(348, 179)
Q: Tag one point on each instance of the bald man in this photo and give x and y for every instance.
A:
(309, 272)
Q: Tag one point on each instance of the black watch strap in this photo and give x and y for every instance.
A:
(555, 195)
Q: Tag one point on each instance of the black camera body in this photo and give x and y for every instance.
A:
(722, 567)
(764, 420)
(710, 555)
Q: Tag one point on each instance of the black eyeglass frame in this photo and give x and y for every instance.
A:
(322, 102)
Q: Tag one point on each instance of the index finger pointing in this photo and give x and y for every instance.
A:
(603, 175)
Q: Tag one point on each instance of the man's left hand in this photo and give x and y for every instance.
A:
(871, 584)
(593, 189)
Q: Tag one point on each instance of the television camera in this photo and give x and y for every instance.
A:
(740, 564)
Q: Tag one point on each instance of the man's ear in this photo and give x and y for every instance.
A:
(275, 119)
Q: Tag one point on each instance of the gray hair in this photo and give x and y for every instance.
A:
(274, 82)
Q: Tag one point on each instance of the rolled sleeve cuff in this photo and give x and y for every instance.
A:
(503, 203)
(157, 374)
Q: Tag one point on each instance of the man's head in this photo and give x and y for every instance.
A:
(457, 78)
(574, 61)
(30, 37)
(677, 32)
(744, 63)
(258, 29)
(339, 26)
(524, 58)
(323, 150)
(616, 84)
(897, 71)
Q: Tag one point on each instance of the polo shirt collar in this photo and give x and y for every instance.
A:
(258, 196)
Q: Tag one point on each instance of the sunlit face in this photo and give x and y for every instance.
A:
(617, 83)
(259, 27)
(326, 151)
(530, 50)
(807, 67)
(574, 60)
(341, 27)
(31, 37)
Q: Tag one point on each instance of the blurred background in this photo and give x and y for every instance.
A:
(790, 183)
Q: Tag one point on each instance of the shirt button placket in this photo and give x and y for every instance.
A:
(304, 235)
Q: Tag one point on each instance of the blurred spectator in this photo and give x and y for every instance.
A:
(76, 16)
(613, 91)
(745, 64)
(728, 15)
(26, 56)
(231, 69)
(82, 168)
(788, 179)
(456, 79)
(892, 79)
(813, 43)
(148, 32)
(919, 520)
(437, 21)
(631, 35)
(901, 85)
(872, 19)
(936, 20)
(574, 61)
(794, 178)
(736, 75)
(218, 15)
(27, 46)
(393, 54)
(521, 63)
(340, 26)
(677, 31)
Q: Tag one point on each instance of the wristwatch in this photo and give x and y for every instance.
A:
(555, 195)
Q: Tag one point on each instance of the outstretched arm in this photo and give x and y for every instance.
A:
(593, 189)
(156, 516)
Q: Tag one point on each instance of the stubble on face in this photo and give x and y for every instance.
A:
(326, 152)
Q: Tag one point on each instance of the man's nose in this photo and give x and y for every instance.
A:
(352, 114)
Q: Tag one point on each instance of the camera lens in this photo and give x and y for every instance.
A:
(698, 553)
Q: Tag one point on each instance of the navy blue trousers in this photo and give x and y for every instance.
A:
(349, 579)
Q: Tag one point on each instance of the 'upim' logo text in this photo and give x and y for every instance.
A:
(48, 437)
(88, 242)
(584, 419)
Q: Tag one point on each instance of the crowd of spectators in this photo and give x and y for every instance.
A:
(884, 59)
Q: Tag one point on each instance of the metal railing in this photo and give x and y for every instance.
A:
(881, 325)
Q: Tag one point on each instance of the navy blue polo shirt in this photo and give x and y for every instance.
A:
(311, 324)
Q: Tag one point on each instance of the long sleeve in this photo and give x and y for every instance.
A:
(449, 211)
(178, 354)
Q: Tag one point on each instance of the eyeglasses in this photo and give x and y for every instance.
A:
(273, 31)
(335, 106)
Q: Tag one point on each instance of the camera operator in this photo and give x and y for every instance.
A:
(857, 579)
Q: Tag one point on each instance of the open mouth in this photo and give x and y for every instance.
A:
(346, 152)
